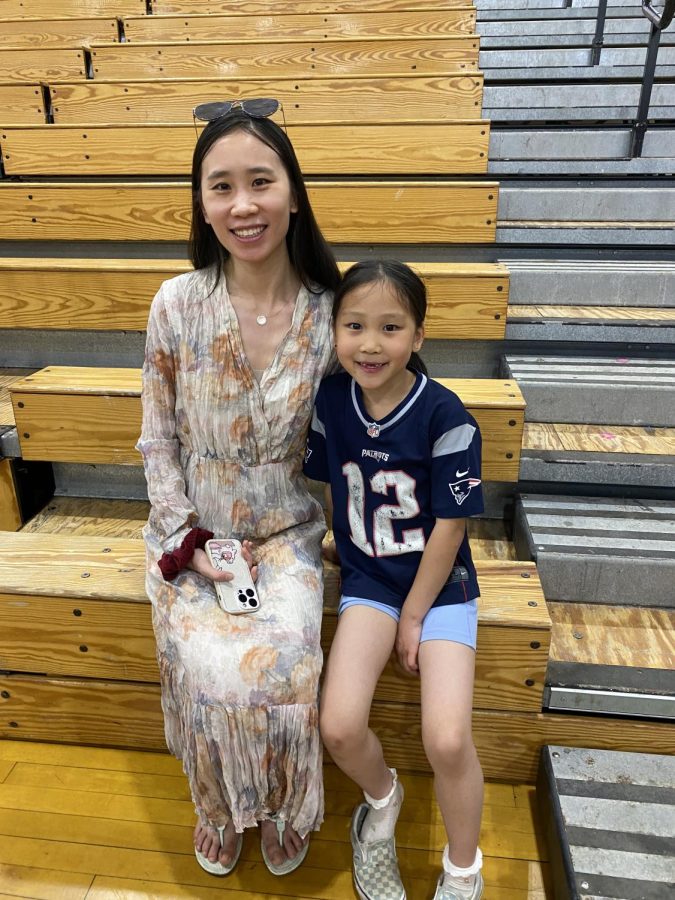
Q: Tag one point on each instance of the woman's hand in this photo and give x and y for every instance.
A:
(408, 643)
(200, 564)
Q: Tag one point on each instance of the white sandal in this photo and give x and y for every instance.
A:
(217, 868)
(290, 865)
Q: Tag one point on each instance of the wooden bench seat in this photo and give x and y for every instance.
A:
(349, 212)
(78, 628)
(44, 9)
(466, 300)
(261, 7)
(301, 26)
(51, 64)
(57, 32)
(22, 104)
(93, 415)
(440, 148)
(370, 99)
(428, 56)
(118, 709)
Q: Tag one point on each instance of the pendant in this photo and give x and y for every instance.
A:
(261, 320)
(373, 430)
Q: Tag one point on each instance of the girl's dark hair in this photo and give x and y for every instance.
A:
(308, 250)
(407, 285)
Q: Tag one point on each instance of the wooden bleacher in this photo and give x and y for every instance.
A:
(115, 294)
(424, 81)
(441, 148)
(397, 212)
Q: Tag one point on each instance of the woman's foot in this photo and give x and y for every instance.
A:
(276, 853)
(207, 841)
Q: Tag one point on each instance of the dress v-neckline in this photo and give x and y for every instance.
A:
(299, 309)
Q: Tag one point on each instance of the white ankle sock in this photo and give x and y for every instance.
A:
(461, 880)
(380, 821)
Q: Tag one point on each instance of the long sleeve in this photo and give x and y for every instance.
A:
(172, 515)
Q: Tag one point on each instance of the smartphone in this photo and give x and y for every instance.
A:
(239, 595)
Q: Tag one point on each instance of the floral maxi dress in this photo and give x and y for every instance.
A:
(239, 692)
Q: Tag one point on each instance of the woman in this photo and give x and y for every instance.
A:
(235, 353)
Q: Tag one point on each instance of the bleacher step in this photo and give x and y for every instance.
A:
(611, 660)
(592, 282)
(593, 324)
(608, 818)
(567, 453)
(599, 550)
(573, 102)
(587, 390)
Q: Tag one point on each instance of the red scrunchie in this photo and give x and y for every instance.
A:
(172, 563)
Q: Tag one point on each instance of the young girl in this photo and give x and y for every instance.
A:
(402, 458)
(234, 356)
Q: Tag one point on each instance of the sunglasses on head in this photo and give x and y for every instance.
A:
(256, 108)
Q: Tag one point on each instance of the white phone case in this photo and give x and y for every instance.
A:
(239, 595)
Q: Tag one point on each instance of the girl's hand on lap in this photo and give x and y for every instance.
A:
(408, 644)
(329, 552)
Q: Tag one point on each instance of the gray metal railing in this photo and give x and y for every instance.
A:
(659, 23)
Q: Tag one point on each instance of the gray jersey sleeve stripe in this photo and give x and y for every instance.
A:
(317, 425)
(453, 441)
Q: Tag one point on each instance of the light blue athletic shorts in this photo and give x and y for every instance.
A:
(457, 622)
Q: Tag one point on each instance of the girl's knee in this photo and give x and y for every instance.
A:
(448, 749)
(340, 734)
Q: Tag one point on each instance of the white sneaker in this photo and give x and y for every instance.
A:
(446, 891)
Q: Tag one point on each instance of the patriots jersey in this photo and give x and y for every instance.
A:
(390, 480)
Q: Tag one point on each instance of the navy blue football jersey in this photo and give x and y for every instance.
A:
(390, 480)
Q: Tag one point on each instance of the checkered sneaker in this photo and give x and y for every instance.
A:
(447, 892)
(376, 874)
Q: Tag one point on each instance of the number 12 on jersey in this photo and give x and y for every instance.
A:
(384, 541)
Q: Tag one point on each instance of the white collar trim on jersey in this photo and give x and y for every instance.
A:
(399, 414)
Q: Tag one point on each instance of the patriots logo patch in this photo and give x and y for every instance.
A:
(461, 489)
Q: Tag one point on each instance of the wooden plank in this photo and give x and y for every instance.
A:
(58, 32)
(8, 377)
(31, 565)
(102, 567)
(254, 7)
(593, 313)
(6, 767)
(22, 104)
(43, 884)
(129, 714)
(423, 148)
(466, 301)
(376, 99)
(10, 511)
(92, 517)
(41, 65)
(599, 438)
(71, 414)
(429, 56)
(639, 637)
(312, 26)
(348, 212)
(44, 9)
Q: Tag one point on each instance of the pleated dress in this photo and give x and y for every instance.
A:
(224, 452)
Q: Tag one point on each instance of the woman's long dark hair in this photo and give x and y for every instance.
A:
(308, 250)
(407, 285)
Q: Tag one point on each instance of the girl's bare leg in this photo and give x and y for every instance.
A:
(447, 673)
(361, 647)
